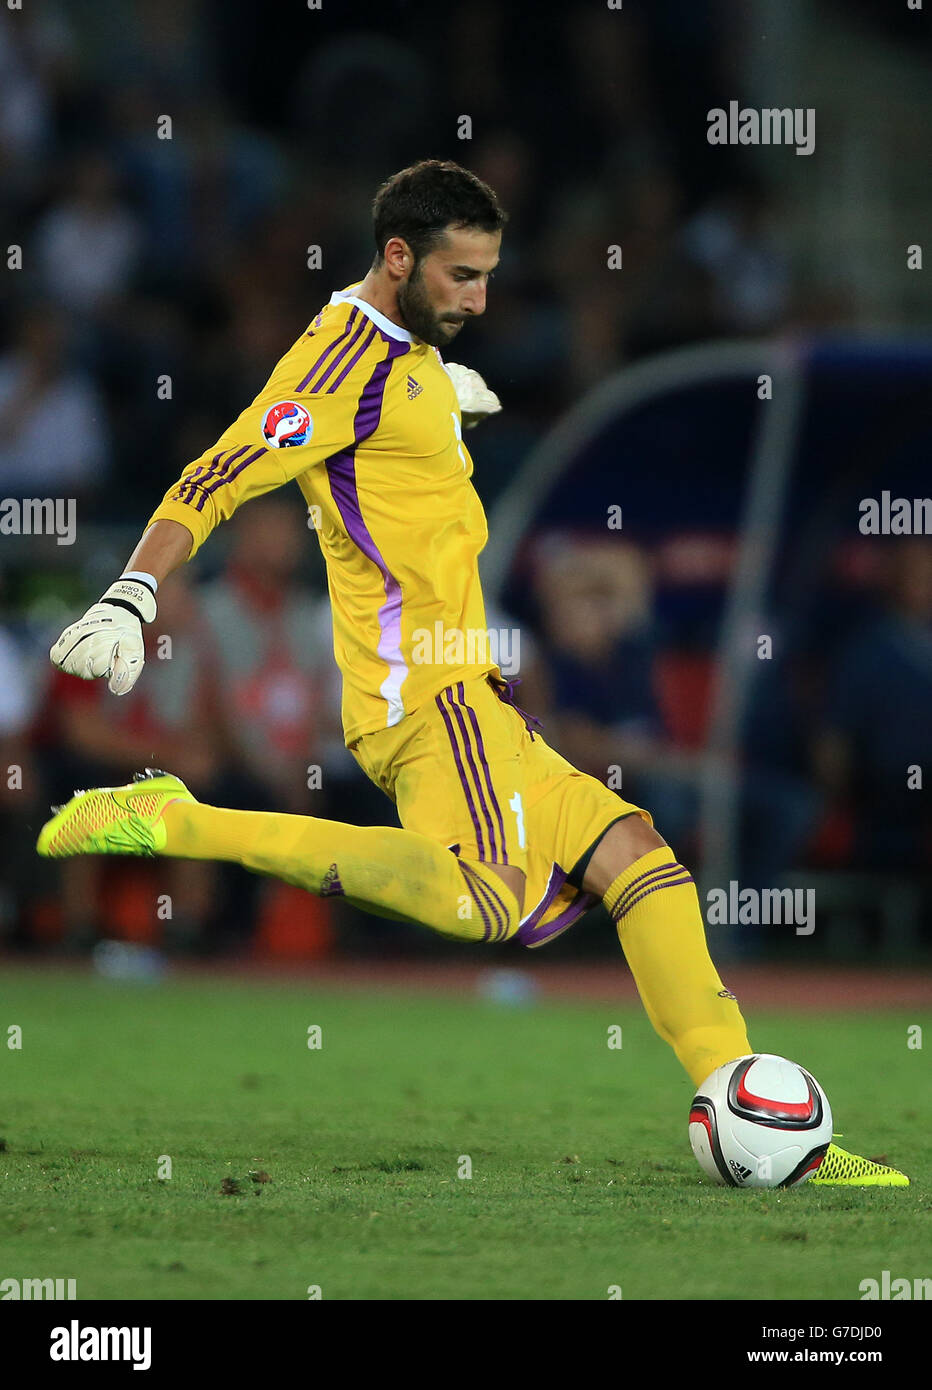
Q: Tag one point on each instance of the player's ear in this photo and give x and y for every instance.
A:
(398, 256)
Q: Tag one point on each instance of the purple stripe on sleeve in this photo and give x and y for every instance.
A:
(467, 747)
(485, 769)
(228, 477)
(188, 485)
(195, 484)
(318, 385)
(351, 363)
(331, 347)
(467, 792)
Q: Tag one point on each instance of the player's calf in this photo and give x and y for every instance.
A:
(652, 900)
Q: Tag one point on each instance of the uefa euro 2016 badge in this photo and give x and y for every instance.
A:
(285, 424)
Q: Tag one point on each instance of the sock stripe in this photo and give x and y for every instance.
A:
(657, 875)
(629, 891)
(468, 749)
(477, 889)
(485, 768)
(492, 900)
(498, 906)
(653, 888)
(636, 882)
(493, 932)
(488, 933)
(648, 875)
(464, 783)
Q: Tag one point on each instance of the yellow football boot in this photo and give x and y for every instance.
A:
(114, 820)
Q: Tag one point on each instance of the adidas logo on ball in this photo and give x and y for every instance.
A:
(760, 1121)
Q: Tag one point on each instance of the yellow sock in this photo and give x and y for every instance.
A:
(655, 908)
(393, 873)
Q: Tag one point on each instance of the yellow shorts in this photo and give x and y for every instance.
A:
(466, 770)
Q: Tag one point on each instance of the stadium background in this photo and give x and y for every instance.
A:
(187, 259)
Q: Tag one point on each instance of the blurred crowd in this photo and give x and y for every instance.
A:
(166, 165)
(241, 698)
(164, 177)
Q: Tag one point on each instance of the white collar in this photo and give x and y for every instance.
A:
(393, 330)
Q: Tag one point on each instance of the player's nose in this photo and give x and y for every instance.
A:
(475, 301)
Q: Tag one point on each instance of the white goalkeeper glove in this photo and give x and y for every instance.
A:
(475, 399)
(108, 641)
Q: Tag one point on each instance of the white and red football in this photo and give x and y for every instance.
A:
(760, 1121)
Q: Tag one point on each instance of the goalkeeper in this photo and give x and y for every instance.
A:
(502, 838)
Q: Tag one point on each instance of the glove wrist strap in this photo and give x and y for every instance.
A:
(134, 596)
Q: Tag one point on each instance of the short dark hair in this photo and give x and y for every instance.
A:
(419, 202)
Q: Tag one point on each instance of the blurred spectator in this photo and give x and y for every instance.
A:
(92, 738)
(199, 191)
(877, 725)
(600, 642)
(87, 245)
(278, 711)
(610, 681)
(36, 54)
(270, 656)
(734, 238)
(53, 431)
(19, 793)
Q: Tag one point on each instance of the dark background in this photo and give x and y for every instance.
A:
(187, 258)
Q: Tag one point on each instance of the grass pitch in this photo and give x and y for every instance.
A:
(338, 1167)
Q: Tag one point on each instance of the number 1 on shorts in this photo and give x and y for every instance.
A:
(515, 805)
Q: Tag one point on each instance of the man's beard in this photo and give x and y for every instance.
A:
(418, 314)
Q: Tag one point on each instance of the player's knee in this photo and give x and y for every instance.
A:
(621, 846)
(494, 899)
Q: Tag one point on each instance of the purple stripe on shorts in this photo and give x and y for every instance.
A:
(485, 769)
(475, 772)
(335, 362)
(556, 881)
(352, 362)
(664, 871)
(228, 477)
(330, 348)
(467, 791)
(653, 888)
(580, 904)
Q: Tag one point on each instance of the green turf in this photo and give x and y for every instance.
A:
(582, 1177)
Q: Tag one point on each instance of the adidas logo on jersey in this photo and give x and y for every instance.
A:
(414, 389)
(330, 884)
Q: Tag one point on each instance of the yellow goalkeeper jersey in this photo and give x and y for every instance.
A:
(365, 418)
